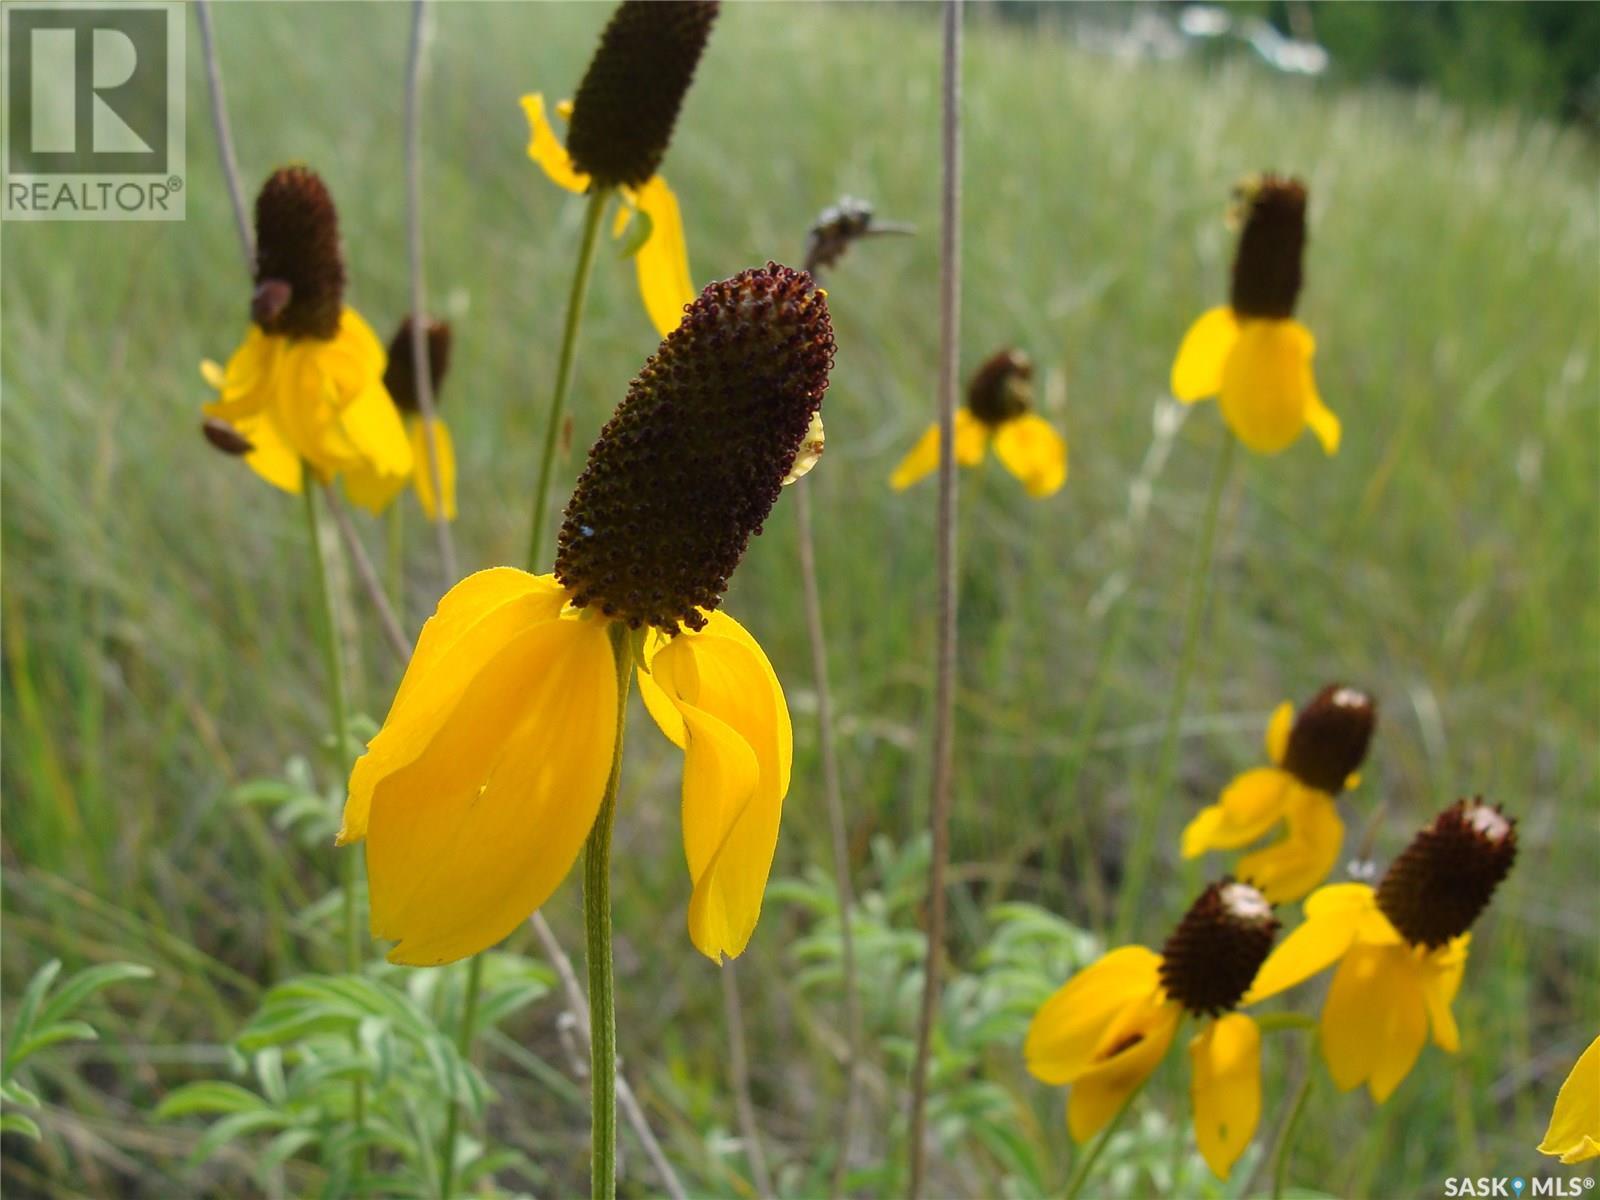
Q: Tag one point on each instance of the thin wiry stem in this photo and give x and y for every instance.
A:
(626, 1100)
(739, 1077)
(419, 312)
(945, 569)
(1281, 1152)
(564, 366)
(833, 795)
(1141, 852)
(368, 574)
(219, 122)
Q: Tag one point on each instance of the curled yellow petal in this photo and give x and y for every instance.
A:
(1250, 806)
(1030, 448)
(476, 824)
(368, 489)
(971, 436)
(1225, 1089)
(662, 263)
(1305, 855)
(545, 148)
(211, 371)
(1321, 418)
(738, 752)
(1574, 1131)
(1069, 1026)
(1197, 371)
(422, 472)
(1442, 970)
(1131, 1047)
(1334, 915)
(1266, 384)
(1278, 727)
(271, 455)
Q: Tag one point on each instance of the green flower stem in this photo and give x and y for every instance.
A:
(569, 354)
(597, 927)
(1280, 1154)
(1142, 851)
(469, 1018)
(1086, 1164)
(333, 661)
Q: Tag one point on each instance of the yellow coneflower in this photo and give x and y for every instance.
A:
(998, 412)
(400, 378)
(1315, 756)
(476, 795)
(1111, 1025)
(1251, 353)
(620, 125)
(1401, 949)
(306, 387)
(1574, 1132)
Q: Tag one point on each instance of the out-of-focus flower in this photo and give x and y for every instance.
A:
(400, 377)
(1574, 1132)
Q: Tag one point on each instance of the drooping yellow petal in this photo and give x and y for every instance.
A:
(1030, 448)
(1373, 1021)
(473, 621)
(1197, 371)
(472, 835)
(372, 423)
(545, 148)
(662, 263)
(1068, 1027)
(1306, 854)
(1250, 806)
(1442, 970)
(738, 753)
(1225, 1089)
(370, 490)
(1321, 418)
(1334, 915)
(272, 457)
(1266, 384)
(1278, 727)
(422, 472)
(971, 436)
(1574, 1132)
(1130, 1048)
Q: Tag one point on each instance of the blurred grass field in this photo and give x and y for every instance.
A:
(158, 614)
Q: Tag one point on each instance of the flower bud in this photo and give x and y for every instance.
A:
(1211, 959)
(1443, 880)
(1267, 264)
(225, 437)
(628, 102)
(299, 270)
(690, 464)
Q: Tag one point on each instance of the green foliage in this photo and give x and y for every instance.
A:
(44, 1018)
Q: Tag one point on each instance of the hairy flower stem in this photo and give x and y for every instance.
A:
(597, 927)
(1086, 1164)
(1280, 1153)
(569, 354)
(333, 664)
(945, 582)
(419, 316)
(1151, 802)
(833, 794)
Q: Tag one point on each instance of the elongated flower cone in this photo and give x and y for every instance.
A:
(1443, 880)
(300, 273)
(694, 458)
(628, 102)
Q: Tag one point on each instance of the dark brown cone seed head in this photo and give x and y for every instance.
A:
(400, 375)
(690, 464)
(1211, 959)
(225, 437)
(627, 104)
(299, 270)
(1330, 736)
(1002, 388)
(1437, 887)
(1267, 264)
